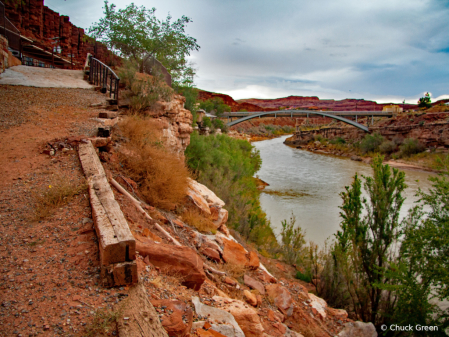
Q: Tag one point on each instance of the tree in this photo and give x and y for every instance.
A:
(424, 102)
(135, 33)
(367, 242)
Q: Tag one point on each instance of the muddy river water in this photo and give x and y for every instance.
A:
(308, 185)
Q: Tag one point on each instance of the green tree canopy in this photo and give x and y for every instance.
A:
(135, 32)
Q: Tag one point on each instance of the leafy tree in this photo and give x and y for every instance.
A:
(368, 241)
(135, 32)
(424, 102)
(422, 274)
(215, 105)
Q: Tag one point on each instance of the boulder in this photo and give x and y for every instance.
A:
(210, 197)
(318, 304)
(218, 317)
(182, 261)
(234, 252)
(281, 297)
(198, 201)
(250, 297)
(172, 317)
(253, 284)
(338, 313)
(246, 317)
(357, 329)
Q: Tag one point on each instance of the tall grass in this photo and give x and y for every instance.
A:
(160, 173)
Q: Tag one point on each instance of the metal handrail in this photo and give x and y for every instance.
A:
(101, 75)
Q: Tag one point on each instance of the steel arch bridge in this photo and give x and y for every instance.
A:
(331, 114)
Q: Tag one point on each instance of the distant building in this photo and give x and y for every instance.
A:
(392, 108)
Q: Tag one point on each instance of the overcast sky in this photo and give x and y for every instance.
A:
(383, 50)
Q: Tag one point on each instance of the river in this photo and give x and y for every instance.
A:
(307, 185)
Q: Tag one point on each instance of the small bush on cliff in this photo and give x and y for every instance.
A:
(160, 173)
(371, 143)
(191, 94)
(411, 146)
(143, 90)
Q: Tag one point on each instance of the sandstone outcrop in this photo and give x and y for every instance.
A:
(182, 261)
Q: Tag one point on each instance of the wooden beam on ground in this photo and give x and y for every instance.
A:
(116, 242)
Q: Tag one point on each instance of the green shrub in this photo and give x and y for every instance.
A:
(306, 277)
(387, 147)
(207, 122)
(337, 140)
(411, 146)
(371, 143)
(421, 123)
(292, 240)
(227, 166)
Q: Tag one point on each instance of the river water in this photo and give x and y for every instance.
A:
(308, 185)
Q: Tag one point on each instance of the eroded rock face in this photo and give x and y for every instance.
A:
(176, 121)
(175, 260)
(246, 317)
(318, 304)
(357, 329)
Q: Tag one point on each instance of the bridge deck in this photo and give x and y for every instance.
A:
(330, 114)
(287, 113)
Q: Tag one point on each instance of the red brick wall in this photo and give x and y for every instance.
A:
(41, 24)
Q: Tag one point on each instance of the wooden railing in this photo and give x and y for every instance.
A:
(103, 76)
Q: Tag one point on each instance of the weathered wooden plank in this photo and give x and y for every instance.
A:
(89, 160)
(111, 250)
(117, 243)
(115, 216)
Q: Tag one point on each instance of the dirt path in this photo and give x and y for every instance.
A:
(48, 267)
(44, 77)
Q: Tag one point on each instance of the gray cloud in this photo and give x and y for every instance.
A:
(383, 49)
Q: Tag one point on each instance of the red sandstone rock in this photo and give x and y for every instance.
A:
(175, 260)
(250, 297)
(265, 277)
(253, 260)
(229, 281)
(211, 254)
(281, 297)
(253, 284)
(246, 317)
(172, 319)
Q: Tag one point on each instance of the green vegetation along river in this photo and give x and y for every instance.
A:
(308, 185)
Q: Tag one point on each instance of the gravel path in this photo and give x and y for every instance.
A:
(44, 77)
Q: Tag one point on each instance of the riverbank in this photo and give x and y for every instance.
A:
(425, 161)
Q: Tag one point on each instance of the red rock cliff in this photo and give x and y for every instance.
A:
(44, 26)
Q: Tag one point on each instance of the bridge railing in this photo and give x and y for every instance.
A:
(104, 77)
